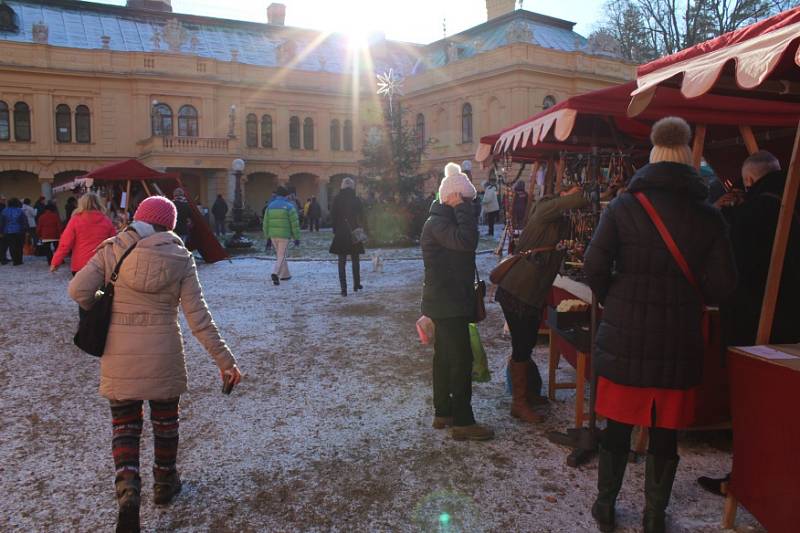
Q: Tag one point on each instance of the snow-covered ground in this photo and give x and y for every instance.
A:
(329, 431)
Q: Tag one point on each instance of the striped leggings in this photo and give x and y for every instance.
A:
(126, 417)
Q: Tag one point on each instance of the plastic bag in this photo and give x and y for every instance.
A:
(480, 365)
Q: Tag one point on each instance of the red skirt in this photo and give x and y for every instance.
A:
(639, 406)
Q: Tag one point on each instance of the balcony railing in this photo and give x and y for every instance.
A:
(186, 145)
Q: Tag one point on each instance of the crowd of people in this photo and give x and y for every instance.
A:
(660, 253)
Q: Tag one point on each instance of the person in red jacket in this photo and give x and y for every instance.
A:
(49, 227)
(87, 228)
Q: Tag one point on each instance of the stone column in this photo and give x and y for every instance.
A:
(47, 190)
(322, 195)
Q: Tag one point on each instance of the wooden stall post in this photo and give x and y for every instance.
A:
(779, 245)
(532, 186)
(699, 144)
(146, 188)
(562, 164)
(128, 196)
(749, 139)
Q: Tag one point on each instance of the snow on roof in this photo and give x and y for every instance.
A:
(84, 25)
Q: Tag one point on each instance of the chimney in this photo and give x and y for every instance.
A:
(496, 8)
(153, 5)
(276, 14)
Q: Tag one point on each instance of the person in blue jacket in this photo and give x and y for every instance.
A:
(13, 226)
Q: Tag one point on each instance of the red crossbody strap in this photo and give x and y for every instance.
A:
(669, 241)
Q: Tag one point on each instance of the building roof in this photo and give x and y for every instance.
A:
(79, 24)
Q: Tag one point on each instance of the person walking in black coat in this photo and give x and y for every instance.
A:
(449, 239)
(220, 211)
(649, 347)
(314, 214)
(183, 227)
(347, 214)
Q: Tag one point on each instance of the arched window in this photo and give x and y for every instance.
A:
(466, 123)
(5, 122)
(308, 133)
(251, 131)
(22, 122)
(63, 124)
(187, 122)
(162, 120)
(419, 131)
(336, 135)
(83, 124)
(266, 131)
(348, 135)
(549, 101)
(294, 133)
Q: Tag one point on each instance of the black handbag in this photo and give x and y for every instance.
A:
(93, 326)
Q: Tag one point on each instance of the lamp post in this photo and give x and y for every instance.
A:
(238, 241)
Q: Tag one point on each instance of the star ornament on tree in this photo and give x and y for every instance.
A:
(389, 85)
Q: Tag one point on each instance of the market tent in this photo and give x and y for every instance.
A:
(759, 63)
(154, 182)
(599, 118)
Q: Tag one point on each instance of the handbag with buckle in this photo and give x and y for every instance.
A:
(504, 267)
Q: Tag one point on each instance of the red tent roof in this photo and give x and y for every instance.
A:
(761, 52)
(126, 170)
(594, 112)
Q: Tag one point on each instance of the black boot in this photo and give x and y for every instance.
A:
(128, 498)
(657, 490)
(343, 274)
(610, 472)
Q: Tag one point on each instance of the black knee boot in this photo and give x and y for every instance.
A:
(343, 274)
(657, 490)
(128, 499)
(610, 472)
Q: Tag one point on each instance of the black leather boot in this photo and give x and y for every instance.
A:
(610, 472)
(657, 490)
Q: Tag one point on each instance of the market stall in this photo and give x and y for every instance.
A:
(759, 63)
(590, 139)
(126, 183)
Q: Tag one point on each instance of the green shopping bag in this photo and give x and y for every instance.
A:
(480, 365)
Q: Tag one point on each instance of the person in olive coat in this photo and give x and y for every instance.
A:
(347, 214)
(649, 347)
(449, 239)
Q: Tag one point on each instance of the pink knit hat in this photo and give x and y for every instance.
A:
(157, 210)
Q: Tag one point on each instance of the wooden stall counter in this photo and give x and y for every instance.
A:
(765, 478)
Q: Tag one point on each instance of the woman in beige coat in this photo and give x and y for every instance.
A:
(143, 357)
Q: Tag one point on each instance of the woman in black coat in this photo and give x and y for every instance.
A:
(347, 214)
(649, 346)
(449, 239)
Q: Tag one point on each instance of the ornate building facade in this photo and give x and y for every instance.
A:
(84, 84)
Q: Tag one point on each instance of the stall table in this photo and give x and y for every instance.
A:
(765, 477)
(713, 407)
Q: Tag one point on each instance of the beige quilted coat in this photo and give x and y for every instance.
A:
(143, 359)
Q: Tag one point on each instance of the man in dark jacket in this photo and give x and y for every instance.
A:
(3, 245)
(754, 220)
(314, 214)
(220, 211)
(183, 226)
(449, 239)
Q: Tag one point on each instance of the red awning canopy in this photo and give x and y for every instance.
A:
(602, 116)
(763, 53)
(130, 169)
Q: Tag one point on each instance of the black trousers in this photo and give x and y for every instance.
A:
(3, 250)
(313, 224)
(452, 371)
(491, 220)
(15, 242)
(523, 323)
(356, 271)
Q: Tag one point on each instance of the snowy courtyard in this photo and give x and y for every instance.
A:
(330, 429)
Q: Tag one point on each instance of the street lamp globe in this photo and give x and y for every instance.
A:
(238, 165)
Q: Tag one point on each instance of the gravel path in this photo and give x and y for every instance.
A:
(330, 431)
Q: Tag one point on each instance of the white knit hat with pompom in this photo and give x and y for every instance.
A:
(456, 181)
(670, 137)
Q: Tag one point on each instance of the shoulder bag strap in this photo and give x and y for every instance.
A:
(669, 241)
(115, 274)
